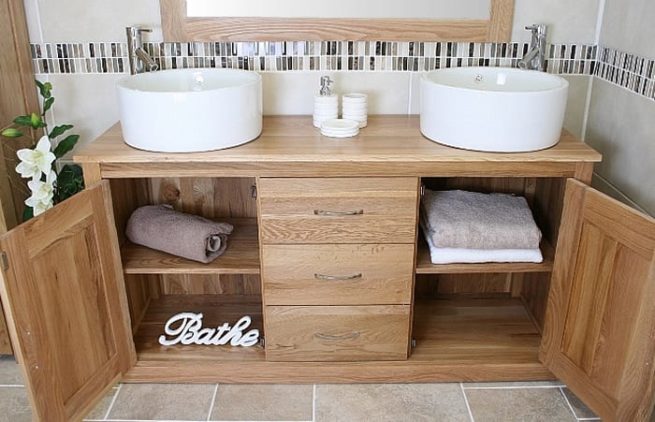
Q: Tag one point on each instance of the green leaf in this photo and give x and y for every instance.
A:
(48, 104)
(12, 133)
(69, 182)
(66, 145)
(59, 130)
(45, 89)
(36, 122)
(28, 214)
(23, 120)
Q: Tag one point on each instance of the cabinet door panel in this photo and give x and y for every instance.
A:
(600, 322)
(65, 297)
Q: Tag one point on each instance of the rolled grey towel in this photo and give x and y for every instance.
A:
(188, 236)
(471, 220)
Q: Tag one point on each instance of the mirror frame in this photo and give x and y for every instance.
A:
(177, 27)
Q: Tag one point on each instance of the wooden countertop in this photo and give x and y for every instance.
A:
(291, 146)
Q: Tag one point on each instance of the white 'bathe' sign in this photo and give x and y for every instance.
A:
(186, 328)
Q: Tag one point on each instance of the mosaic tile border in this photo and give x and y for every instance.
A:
(383, 56)
(627, 70)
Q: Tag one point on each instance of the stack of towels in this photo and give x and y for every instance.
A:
(471, 227)
(188, 236)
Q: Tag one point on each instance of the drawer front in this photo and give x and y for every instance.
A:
(337, 333)
(339, 210)
(337, 274)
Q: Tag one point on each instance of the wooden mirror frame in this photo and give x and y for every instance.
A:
(177, 27)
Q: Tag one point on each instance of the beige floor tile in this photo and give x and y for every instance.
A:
(163, 402)
(517, 404)
(14, 405)
(101, 408)
(263, 403)
(390, 402)
(581, 410)
(10, 373)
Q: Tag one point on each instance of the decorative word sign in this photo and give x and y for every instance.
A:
(186, 328)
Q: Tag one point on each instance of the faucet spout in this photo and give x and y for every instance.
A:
(536, 57)
(149, 62)
(139, 59)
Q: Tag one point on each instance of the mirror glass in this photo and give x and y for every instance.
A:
(407, 9)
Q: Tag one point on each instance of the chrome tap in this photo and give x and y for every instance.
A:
(139, 58)
(536, 57)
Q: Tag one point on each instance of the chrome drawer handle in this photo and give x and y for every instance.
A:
(338, 213)
(337, 277)
(328, 337)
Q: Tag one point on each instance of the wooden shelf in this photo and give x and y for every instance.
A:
(216, 310)
(456, 339)
(478, 332)
(424, 264)
(241, 257)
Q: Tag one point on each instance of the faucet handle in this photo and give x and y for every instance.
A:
(537, 29)
(142, 30)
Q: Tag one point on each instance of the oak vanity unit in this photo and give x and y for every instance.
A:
(328, 260)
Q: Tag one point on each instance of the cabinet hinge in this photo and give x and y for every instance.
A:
(422, 190)
(253, 191)
(262, 342)
(4, 261)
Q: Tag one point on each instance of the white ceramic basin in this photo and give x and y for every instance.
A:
(190, 110)
(493, 109)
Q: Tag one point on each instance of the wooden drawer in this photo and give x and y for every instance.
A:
(337, 274)
(337, 333)
(339, 210)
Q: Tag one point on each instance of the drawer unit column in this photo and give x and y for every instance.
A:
(337, 267)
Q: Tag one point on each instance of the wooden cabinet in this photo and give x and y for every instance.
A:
(338, 297)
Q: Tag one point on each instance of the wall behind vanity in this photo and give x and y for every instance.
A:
(88, 100)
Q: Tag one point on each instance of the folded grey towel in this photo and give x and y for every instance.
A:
(471, 220)
(189, 236)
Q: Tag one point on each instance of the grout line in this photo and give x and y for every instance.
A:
(409, 95)
(12, 386)
(587, 107)
(518, 387)
(466, 401)
(213, 402)
(588, 419)
(561, 390)
(314, 403)
(599, 21)
(113, 400)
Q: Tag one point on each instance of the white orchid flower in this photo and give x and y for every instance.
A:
(43, 191)
(39, 207)
(37, 161)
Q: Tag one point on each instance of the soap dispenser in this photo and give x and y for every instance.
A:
(326, 103)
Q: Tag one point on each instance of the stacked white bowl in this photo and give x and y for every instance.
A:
(326, 107)
(355, 107)
(340, 128)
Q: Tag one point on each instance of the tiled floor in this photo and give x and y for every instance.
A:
(506, 402)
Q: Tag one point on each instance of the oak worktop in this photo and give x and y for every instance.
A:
(291, 146)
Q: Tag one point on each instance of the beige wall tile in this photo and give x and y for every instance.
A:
(621, 126)
(86, 101)
(569, 21)
(629, 25)
(95, 20)
(263, 403)
(14, 405)
(390, 402)
(163, 402)
(292, 93)
(509, 405)
(577, 103)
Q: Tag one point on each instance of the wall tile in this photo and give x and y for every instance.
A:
(570, 21)
(622, 128)
(289, 93)
(577, 103)
(96, 20)
(629, 25)
(86, 101)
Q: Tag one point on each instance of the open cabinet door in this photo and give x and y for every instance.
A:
(64, 296)
(599, 334)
